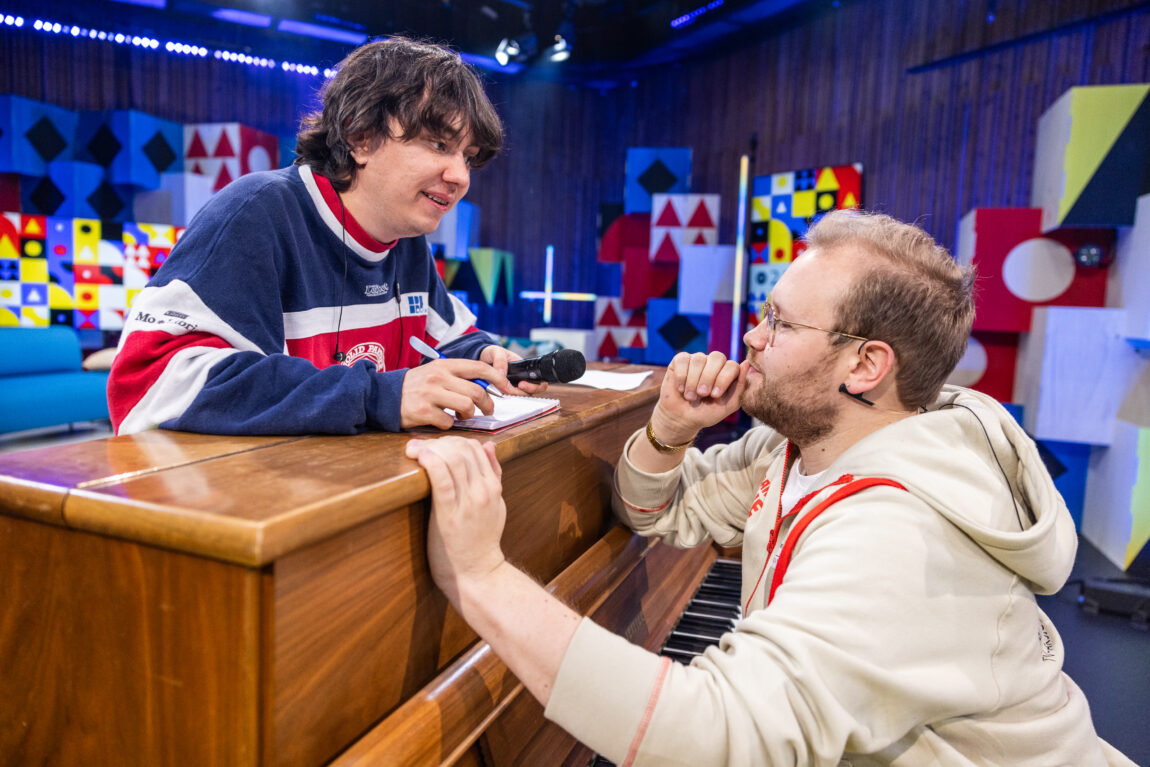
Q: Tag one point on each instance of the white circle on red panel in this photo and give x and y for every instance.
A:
(1038, 270)
(971, 367)
(259, 159)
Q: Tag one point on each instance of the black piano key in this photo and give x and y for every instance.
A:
(714, 610)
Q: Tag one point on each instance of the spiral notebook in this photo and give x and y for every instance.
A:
(508, 412)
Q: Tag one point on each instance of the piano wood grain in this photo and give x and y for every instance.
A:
(174, 598)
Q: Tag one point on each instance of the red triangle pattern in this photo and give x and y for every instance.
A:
(668, 217)
(223, 179)
(700, 239)
(608, 347)
(637, 342)
(197, 168)
(701, 217)
(609, 318)
(667, 253)
(197, 149)
(224, 148)
(638, 318)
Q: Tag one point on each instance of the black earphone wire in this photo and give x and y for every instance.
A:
(340, 356)
(1009, 489)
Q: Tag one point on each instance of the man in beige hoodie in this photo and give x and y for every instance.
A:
(894, 533)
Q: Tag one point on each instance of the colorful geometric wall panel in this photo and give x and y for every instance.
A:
(796, 200)
(608, 213)
(720, 330)
(669, 332)
(33, 134)
(582, 341)
(1129, 285)
(287, 150)
(1063, 359)
(630, 230)
(152, 205)
(644, 279)
(706, 275)
(134, 148)
(655, 170)
(618, 329)
(78, 272)
(761, 279)
(226, 151)
(1116, 510)
(682, 219)
(458, 230)
(494, 269)
(67, 189)
(9, 191)
(988, 365)
(1068, 464)
(1092, 157)
(189, 191)
(1020, 269)
(608, 279)
(1138, 549)
(460, 278)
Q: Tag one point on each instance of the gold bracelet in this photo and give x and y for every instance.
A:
(663, 447)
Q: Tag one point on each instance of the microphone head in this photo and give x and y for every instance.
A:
(569, 365)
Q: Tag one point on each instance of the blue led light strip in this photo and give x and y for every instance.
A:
(689, 18)
(171, 46)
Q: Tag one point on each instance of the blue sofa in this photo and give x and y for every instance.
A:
(42, 383)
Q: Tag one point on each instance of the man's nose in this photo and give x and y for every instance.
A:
(756, 337)
(457, 170)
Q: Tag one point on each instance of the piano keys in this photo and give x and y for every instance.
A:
(713, 611)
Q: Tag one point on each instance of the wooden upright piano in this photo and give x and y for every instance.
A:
(181, 599)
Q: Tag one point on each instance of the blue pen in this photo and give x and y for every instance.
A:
(426, 350)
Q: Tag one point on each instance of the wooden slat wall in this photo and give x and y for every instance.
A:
(939, 105)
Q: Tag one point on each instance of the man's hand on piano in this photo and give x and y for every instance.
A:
(526, 626)
(467, 508)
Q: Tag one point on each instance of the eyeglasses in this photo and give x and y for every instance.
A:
(767, 313)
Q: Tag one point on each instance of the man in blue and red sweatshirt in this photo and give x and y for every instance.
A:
(288, 304)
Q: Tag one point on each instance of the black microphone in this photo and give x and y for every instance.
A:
(557, 367)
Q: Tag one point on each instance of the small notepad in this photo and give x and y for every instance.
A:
(508, 412)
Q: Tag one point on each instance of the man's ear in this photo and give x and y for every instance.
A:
(874, 364)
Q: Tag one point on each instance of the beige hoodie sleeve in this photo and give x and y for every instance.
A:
(705, 498)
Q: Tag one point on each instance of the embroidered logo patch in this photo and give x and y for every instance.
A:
(414, 304)
(374, 291)
(371, 351)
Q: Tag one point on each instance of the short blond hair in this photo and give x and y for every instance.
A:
(918, 299)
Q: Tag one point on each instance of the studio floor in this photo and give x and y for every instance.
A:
(1106, 655)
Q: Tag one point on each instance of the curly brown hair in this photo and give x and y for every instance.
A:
(920, 301)
(424, 88)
